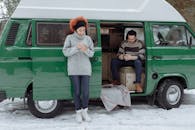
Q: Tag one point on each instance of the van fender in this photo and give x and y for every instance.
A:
(175, 76)
(28, 87)
(162, 77)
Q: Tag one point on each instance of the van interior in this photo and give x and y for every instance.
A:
(112, 34)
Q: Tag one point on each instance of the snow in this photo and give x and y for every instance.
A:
(140, 116)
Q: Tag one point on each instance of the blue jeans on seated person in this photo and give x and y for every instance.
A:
(116, 64)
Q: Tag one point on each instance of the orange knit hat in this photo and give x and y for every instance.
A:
(73, 22)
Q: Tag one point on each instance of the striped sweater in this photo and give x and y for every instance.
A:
(135, 49)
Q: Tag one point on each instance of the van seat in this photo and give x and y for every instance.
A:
(127, 77)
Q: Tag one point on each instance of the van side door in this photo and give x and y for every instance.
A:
(170, 53)
(190, 57)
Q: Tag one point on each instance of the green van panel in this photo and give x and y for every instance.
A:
(15, 63)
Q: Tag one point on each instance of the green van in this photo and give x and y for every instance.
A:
(33, 66)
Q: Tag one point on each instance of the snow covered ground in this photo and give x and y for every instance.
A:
(15, 116)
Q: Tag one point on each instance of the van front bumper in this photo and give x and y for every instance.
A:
(2, 95)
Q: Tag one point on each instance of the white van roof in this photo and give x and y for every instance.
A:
(124, 10)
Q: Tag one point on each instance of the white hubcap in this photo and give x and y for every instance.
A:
(173, 94)
(46, 106)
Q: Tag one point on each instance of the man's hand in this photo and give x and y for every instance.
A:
(128, 57)
(121, 57)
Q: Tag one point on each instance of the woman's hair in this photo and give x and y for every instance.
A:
(78, 22)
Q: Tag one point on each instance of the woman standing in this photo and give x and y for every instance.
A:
(78, 47)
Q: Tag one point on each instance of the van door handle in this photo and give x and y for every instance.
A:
(156, 57)
(94, 59)
(24, 58)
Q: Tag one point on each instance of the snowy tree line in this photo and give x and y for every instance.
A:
(7, 7)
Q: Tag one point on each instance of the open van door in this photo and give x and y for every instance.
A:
(96, 61)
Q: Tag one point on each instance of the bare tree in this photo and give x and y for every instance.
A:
(10, 6)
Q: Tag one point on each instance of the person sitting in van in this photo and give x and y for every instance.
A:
(130, 53)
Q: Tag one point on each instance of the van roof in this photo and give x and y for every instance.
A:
(124, 10)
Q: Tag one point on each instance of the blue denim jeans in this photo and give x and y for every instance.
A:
(116, 64)
(80, 88)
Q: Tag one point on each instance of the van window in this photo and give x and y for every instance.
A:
(52, 34)
(11, 37)
(169, 35)
(92, 32)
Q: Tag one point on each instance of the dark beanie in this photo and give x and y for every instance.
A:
(131, 32)
(79, 24)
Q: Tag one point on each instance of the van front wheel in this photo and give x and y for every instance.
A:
(44, 109)
(170, 94)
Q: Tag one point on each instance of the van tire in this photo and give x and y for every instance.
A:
(170, 94)
(41, 113)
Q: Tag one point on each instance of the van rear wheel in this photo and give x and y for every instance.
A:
(170, 94)
(44, 109)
